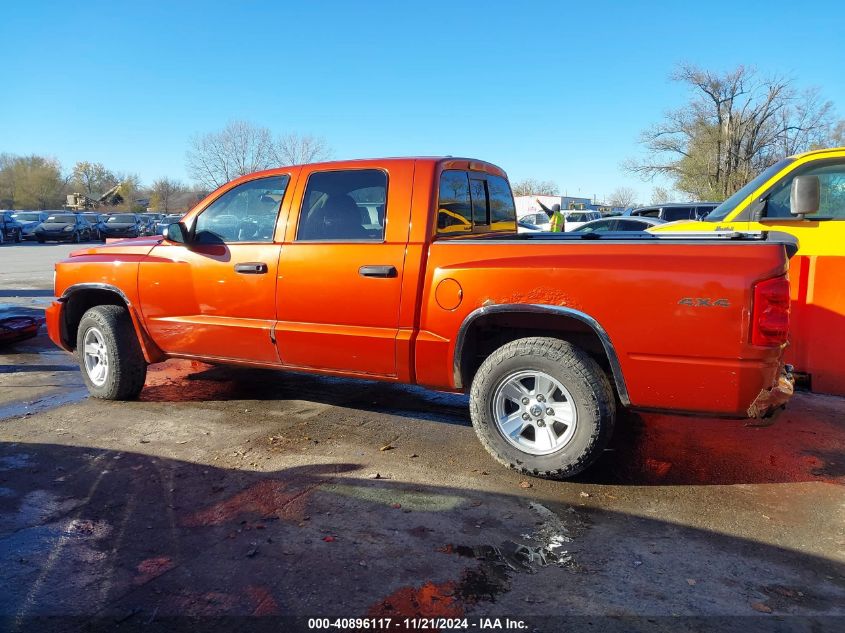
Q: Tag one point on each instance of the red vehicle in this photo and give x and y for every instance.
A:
(411, 270)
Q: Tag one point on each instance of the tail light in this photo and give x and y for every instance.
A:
(770, 314)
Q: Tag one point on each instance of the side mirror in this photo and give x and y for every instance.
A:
(176, 233)
(804, 196)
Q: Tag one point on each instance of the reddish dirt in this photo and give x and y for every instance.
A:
(429, 601)
(269, 498)
(153, 568)
(799, 446)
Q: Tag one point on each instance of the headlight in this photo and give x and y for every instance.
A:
(68, 228)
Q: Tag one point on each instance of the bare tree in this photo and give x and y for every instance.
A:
(296, 149)
(661, 195)
(622, 197)
(164, 192)
(735, 124)
(534, 187)
(240, 148)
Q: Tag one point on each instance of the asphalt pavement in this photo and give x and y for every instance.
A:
(233, 492)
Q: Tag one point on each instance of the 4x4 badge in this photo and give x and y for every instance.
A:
(699, 302)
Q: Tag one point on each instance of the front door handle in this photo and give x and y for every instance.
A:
(377, 271)
(251, 268)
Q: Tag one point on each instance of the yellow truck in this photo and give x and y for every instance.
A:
(803, 195)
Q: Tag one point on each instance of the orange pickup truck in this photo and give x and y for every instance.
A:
(411, 270)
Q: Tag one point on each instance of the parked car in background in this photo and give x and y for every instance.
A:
(150, 221)
(676, 211)
(12, 229)
(527, 227)
(29, 220)
(123, 225)
(63, 227)
(97, 222)
(574, 219)
(171, 218)
(618, 223)
(540, 220)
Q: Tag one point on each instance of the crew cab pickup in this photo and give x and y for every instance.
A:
(411, 270)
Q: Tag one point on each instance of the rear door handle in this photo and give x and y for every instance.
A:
(377, 271)
(251, 268)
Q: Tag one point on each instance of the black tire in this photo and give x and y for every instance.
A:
(592, 397)
(127, 369)
(18, 237)
(40, 240)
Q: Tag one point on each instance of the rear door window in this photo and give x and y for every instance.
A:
(344, 205)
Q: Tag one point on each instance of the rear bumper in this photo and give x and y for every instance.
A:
(773, 400)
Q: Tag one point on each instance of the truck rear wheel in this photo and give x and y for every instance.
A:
(113, 366)
(542, 406)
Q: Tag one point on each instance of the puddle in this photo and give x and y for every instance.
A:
(52, 400)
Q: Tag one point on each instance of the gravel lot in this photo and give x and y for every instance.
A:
(241, 492)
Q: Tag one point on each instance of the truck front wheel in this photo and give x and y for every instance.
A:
(110, 356)
(543, 407)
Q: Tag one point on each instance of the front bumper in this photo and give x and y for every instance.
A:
(773, 400)
(53, 317)
(55, 237)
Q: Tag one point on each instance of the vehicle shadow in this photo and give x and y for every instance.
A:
(803, 444)
(190, 381)
(112, 536)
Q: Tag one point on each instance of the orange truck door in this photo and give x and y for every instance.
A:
(215, 296)
(340, 269)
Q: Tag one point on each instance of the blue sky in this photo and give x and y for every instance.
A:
(552, 90)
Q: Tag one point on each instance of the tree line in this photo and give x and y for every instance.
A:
(213, 159)
(39, 182)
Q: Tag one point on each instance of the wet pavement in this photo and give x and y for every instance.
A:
(227, 492)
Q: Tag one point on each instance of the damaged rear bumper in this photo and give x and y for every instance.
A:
(772, 401)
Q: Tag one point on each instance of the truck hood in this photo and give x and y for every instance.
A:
(132, 246)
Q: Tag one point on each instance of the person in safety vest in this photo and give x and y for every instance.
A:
(557, 219)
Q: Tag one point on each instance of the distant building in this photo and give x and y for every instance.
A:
(528, 205)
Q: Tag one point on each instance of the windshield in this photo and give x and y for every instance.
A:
(62, 219)
(122, 217)
(91, 217)
(727, 207)
(27, 217)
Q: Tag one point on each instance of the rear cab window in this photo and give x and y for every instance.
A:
(474, 202)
